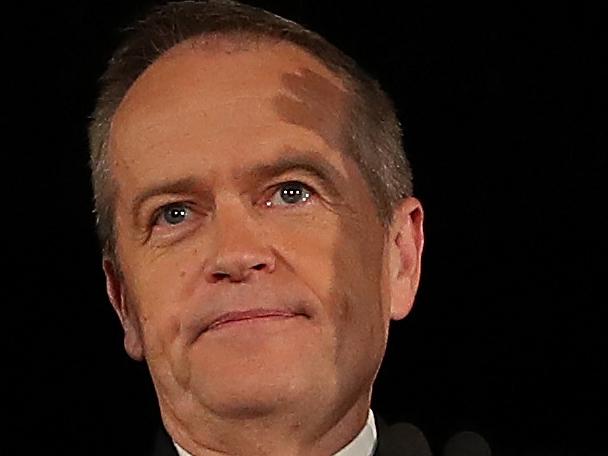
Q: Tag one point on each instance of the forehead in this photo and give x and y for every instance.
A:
(202, 76)
(215, 107)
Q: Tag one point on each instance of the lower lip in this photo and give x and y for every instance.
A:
(249, 322)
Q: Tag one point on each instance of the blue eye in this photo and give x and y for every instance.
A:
(174, 214)
(291, 193)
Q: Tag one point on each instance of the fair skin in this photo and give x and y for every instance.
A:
(214, 233)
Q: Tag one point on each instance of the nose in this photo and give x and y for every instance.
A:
(239, 250)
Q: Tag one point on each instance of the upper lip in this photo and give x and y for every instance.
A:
(247, 314)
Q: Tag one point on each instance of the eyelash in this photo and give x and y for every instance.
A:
(307, 189)
(311, 193)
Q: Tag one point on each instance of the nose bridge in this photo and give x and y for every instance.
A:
(238, 246)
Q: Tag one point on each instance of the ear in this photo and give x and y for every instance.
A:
(128, 319)
(405, 243)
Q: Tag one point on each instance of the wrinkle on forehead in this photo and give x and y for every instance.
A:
(316, 103)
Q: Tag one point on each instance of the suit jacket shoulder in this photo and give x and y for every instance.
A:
(400, 439)
(163, 444)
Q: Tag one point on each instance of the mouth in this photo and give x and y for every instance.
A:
(250, 317)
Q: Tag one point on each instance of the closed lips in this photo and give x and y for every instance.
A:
(249, 314)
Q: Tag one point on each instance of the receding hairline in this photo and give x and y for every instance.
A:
(228, 41)
(223, 44)
(231, 42)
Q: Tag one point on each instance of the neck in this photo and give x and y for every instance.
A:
(285, 434)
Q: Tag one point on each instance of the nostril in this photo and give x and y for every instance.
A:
(220, 275)
(239, 272)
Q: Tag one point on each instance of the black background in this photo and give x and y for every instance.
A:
(501, 111)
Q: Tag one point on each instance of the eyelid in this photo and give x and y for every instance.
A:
(298, 180)
(276, 187)
(157, 213)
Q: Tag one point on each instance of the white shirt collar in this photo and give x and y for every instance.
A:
(362, 445)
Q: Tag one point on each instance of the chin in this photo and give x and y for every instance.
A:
(244, 390)
(253, 397)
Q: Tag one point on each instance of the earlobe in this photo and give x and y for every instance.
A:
(405, 246)
(117, 295)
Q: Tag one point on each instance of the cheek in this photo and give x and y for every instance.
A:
(160, 283)
(157, 290)
(340, 260)
(307, 248)
(359, 266)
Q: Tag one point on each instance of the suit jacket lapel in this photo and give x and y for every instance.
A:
(381, 436)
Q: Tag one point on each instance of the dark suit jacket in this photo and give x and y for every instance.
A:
(397, 440)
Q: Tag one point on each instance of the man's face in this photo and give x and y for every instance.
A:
(234, 193)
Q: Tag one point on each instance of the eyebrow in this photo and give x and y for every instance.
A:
(317, 167)
(326, 173)
(183, 185)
